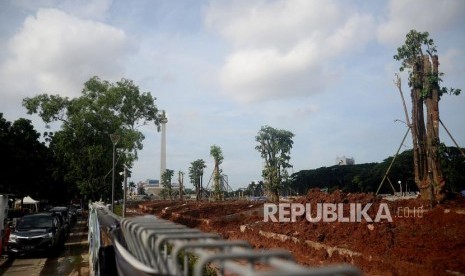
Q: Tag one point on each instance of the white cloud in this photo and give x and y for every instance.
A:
(427, 15)
(92, 9)
(57, 52)
(261, 23)
(284, 49)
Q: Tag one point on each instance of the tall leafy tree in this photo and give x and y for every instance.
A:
(419, 57)
(275, 147)
(217, 154)
(196, 176)
(83, 144)
(27, 163)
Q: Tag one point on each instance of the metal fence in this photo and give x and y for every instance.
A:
(93, 238)
(147, 245)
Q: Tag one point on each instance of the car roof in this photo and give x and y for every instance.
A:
(43, 214)
(59, 208)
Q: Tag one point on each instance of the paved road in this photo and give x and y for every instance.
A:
(72, 260)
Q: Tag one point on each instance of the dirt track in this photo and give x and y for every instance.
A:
(430, 243)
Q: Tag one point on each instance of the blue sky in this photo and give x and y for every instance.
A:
(222, 69)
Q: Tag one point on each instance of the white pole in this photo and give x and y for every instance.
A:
(163, 121)
(125, 190)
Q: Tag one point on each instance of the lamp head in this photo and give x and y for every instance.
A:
(114, 138)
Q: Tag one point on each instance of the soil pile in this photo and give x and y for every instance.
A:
(418, 240)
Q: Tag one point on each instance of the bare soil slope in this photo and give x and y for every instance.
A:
(429, 243)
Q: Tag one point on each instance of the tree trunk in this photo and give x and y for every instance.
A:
(181, 186)
(216, 182)
(419, 132)
(197, 189)
(275, 196)
(427, 168)
(432, 105)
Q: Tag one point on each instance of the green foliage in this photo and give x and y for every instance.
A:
(274, 146)
(196, 174)
(217, 155)
(166, 183)
(27, 164)
(417, 44)
(118, 210)
(413, 48)
(367, 177)
(82, 146)
(141, 191)
(453, 166)
(255, 189)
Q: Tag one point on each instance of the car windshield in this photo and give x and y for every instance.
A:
(34, 222)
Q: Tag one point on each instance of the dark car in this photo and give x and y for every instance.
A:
(72, 210)
(36, 233)
(66, 216)
(79, 209)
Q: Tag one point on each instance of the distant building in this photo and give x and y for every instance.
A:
(153, 183)
(152, 187)
(345, 161)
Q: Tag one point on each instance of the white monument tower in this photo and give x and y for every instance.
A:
(163, 121)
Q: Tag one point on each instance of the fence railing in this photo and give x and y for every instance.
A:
(147, 245)
(93, 238)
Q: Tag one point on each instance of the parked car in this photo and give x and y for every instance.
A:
(36, 233)
(79, 209)
(66, 216)
(72, 211)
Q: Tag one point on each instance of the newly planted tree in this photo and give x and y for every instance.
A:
(275, 147)
(419, 58)
(166, 183)
(217, 155)
(181, 185)
(196, 175)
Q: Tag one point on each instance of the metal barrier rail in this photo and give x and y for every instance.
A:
(147, 245)
(93, 239)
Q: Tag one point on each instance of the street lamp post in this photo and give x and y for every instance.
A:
(400, 187)
(114, 139)
(125, 190)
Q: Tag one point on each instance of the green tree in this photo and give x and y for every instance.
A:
(217, 154)
(132, 187)
(196, 175)
(255, 188)
(453, 166)
(141, 191)
(166, 182)
(275, 147)
(366, 177)
(418, 56)
(27, 163)
(82, 145)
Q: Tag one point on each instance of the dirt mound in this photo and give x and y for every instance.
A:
(418, 240)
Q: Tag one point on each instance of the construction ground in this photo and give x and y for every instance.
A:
(419, 241)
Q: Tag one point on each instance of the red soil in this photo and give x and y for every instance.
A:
(429, 243)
